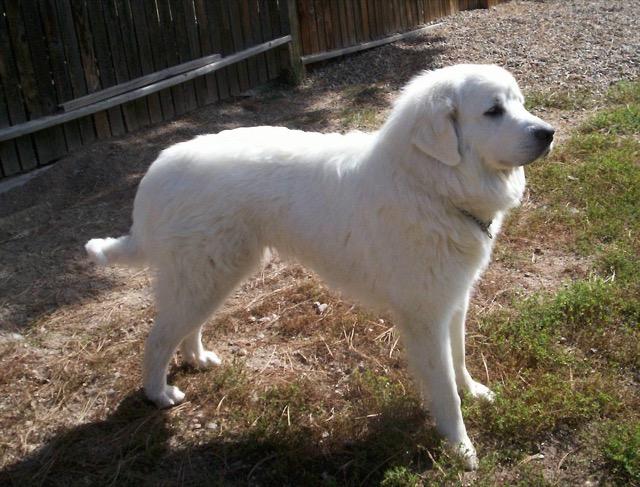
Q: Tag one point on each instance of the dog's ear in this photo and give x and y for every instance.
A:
(435, 133)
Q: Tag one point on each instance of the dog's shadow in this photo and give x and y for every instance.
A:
(138, 444)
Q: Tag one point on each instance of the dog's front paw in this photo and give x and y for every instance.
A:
(170, 396)
(203, 360)
(480, 391)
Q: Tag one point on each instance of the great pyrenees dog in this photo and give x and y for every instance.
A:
(402, 219)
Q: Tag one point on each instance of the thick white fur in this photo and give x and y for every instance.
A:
(377, 215)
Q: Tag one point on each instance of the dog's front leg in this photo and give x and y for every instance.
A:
(428, 346)
(463, 378)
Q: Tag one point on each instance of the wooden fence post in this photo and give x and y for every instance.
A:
(296, 72)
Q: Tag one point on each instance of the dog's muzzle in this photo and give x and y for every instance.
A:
(543, 137)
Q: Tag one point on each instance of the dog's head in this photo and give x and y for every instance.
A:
(476, 112)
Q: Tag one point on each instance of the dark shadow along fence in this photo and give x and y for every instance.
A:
(74, 71)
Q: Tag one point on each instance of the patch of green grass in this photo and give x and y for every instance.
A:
(363, 94)
(400, 477)
(379, 391)
(362, 107)
(592, 189)
(533, 405)
(622, 452)
(624, 92)
(591, 185)
(361, 118)
(619, 121)
(597, 317)
(620, 262)
(561, 100)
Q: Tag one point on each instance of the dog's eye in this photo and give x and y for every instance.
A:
(495, 111)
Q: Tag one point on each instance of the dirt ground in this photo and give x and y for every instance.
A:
(71, 334)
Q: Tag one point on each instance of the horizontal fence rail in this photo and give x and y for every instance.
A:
(74, 71)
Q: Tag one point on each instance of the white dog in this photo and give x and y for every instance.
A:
(402, 219)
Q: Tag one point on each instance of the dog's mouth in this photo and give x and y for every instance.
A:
(541, 155)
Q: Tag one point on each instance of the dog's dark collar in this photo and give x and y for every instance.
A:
(484, 226)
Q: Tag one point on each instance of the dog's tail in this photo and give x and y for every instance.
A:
(122, 250)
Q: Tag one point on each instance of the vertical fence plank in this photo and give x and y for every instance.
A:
(313, 26)
(265, 28)
(401, 15)
(102, 51)
(420, 11)
(214, 15)
(158, 55)
(235, 28)
(52, 143)
(344, 31)
(258, 37)
(141, 30)
(364, 15)
(252, 37)
(280, 22)
(171, 52)
(89, 62)
(305, 19)
(14, 100)
(350, 28)
(319, 23)
(132, 57)
(357, 20)
(9, 159)
(74, 65)
(112, 17)
(248, 41)
(338, 41)
(326, 26)
(227, 44)
(59, 69)
(193, 50)
(27, 81)
(181, 31)
(204, 37)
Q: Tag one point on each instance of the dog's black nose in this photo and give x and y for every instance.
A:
(544, 134)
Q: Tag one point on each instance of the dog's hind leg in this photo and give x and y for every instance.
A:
(429, 355)
(463, 379)
(187, 293)
(194, 353)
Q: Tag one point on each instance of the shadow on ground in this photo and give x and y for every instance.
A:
(136, 446)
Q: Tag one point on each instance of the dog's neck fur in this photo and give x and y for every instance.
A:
(471, 186)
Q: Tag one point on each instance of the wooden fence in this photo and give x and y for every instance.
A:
(73, 71)
(55, 51)
(331, 25)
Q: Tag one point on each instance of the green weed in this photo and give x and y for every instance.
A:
(622, 451)
(624, 92)
(530, 407)
(561, 100)
(400, 477)
(619, 121)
